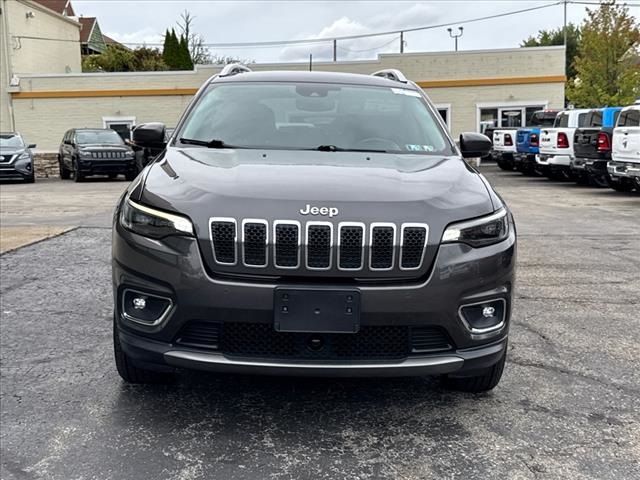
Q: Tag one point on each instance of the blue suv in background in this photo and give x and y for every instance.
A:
(528, 142)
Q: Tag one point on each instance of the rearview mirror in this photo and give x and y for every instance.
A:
(32, 145)
(474, 145)
(149, 135)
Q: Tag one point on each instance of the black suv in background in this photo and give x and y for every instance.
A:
(95, 151)
(16, 158)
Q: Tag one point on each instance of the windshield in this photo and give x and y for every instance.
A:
(109, 137)
(10, 140)
(309, 115)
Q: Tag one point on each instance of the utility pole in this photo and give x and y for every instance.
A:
(335, 50)
(310, 61)
(401, 42)
(455, 36)
(565, 24)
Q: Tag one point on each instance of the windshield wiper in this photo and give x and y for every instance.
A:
(333, 148)
(209, 144)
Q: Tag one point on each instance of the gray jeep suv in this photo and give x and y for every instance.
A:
(312, 223)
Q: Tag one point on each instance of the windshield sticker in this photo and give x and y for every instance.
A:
(402, 91)
(419, 148)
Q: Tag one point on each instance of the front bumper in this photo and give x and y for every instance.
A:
(17, 169)
(174, 269)
(104, 167)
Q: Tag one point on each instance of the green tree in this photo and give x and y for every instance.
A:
(171, 51)
(185, 55)
(117, 58)
(607, 71)
(547, 38)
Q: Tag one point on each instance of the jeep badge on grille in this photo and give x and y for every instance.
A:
(309, 210)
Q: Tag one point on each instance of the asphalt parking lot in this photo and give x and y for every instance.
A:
(567, 406)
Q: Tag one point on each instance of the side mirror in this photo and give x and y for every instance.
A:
(474, 145)
(149, 135)
(32, 145)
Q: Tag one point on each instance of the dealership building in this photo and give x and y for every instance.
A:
(43, 98)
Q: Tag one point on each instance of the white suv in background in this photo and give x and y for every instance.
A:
(624, 167)
(556, 144)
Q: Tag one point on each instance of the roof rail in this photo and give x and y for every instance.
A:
(391, 74)
(233, 69)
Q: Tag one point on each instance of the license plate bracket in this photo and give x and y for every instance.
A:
(316, 310)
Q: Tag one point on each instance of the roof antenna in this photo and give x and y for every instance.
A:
(310, 62)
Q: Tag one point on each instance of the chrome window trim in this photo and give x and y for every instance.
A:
(306, 245)
(275, 244)
(212, 220)
(266, 241)
(403, 227)
(480, 333)
(393, 253)
(156, 322)
(341, 225)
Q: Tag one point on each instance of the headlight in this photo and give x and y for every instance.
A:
(153, 223)
(24, 156)
(480, 232)
(84, 154)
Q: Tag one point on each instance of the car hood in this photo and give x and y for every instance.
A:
(11, 150)
(248, 182)
(102, 146)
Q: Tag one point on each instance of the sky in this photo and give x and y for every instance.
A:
(145, 21)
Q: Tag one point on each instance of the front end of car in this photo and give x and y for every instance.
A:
(259, 287)
(17, 165)
(105, 160)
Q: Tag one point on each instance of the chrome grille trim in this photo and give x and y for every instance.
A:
(424, 245)
(244, 244)
(363, 242)
(275, 242)
(416, 251)
(394, 245)
(213, 220)
(306, 245)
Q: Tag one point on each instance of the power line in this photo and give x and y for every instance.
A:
(308, 41)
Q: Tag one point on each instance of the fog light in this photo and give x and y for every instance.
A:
(484, 317)
(139, 303)
(144, 308)
(487, 312)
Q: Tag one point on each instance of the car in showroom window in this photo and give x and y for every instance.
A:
(312, 223)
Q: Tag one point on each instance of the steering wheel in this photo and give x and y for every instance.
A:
(377, 143)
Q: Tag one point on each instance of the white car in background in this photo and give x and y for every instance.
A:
(504, 147)
(556, 143)
(624, 167)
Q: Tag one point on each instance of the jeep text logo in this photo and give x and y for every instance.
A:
(309, 210)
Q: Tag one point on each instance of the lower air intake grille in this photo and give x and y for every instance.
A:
(429, 339)
(255, 244)
(413, 243)
(262, 341)
(199, 335)
(223, 235)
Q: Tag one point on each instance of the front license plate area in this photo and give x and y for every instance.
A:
(317, 311)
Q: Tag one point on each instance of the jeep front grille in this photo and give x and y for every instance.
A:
(108, 155)
(318, 245)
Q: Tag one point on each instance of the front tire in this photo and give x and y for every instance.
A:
(623, 186)
(64, 173)
(128, 370)
(77, 174)
(485, 381)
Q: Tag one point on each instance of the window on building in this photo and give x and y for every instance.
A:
(445, 112)
(122, 125)
(517, 116)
